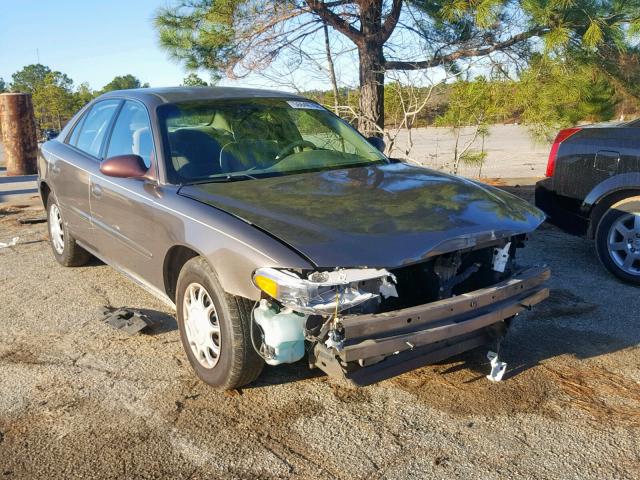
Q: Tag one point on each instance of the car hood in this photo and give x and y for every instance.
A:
(385, 215)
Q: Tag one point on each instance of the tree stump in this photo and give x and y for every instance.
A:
(18, 127)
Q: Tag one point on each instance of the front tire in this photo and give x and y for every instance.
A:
(214, 329)
(618, 240)
(65, 249)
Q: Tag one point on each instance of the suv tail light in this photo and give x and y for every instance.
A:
(553, 155)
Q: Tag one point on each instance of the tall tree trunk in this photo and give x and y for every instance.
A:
(371, 90)
(371, 61)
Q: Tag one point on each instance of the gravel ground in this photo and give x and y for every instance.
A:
(79, 399)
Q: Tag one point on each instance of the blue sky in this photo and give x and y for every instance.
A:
(91, 41)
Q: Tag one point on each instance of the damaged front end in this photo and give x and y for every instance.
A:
(366, 324)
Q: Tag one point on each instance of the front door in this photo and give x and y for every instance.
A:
(122, 209)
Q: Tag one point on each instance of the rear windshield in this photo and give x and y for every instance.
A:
(253, 138)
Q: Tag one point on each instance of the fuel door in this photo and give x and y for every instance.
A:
(606, 162)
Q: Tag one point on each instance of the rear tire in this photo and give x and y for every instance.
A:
(618, 240)
(65, 249)
(214, 329)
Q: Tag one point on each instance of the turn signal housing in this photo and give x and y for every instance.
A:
(267, 285)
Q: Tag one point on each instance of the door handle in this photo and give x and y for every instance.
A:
(55, 168)
(96, 190)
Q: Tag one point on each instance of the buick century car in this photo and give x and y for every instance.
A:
(278, 232)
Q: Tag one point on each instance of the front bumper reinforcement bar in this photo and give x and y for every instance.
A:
(395, 342)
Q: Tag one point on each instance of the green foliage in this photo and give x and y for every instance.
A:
(473, 158)
(53, 95)
(83, 95)
(476, 103)
(552, 94)
(237, 37)
(123, 82)
(193, 80)
(53, 100)
(201, 33)
(31, 76)
(216, 34)
(587, 24)
(3, 86)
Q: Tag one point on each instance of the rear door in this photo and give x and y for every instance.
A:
(71, 176)
(122, 209)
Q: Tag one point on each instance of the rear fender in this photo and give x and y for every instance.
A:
(606, 193)
(623, 181)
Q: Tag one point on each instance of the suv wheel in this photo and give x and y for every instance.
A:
(65, 249)
(618, 240)
(214, 329)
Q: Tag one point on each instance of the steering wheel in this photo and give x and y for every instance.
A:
(288, 150)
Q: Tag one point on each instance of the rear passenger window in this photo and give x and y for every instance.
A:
(93, 129)
(132, 133)
(73, 139)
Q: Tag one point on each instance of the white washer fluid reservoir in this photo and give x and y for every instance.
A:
(283, 332)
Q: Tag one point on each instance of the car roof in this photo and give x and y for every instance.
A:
(184, 94)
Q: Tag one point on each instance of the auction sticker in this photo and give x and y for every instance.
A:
(304, 105)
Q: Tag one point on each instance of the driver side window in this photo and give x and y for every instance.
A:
(132, 133)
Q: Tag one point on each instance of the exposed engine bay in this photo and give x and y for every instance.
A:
(314, 311)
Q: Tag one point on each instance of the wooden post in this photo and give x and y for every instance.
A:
(18, 127)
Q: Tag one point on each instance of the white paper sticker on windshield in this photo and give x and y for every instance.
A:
(304, 105)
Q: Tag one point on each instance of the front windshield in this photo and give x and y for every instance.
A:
(252, 138)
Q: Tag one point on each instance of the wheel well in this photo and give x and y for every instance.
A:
(603, 205)
(175, 259)
(44, 193)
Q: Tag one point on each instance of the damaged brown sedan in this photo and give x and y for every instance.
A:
(278, 232)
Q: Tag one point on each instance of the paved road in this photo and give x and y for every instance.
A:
(16, 190)
(78, 399)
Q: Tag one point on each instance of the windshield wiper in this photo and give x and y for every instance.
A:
(223, 179)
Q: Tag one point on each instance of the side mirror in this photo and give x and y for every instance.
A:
(377, 142)
(124, 166)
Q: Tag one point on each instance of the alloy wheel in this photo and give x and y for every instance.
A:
(624, 243)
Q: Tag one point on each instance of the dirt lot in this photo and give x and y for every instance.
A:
(79, 399)
(511, 150)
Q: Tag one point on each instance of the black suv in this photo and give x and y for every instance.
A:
(593, 189)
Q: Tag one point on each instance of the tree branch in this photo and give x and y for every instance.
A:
(465, 53)
(390, 23)
(322, 10)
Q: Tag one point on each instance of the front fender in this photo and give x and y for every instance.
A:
(233, 248)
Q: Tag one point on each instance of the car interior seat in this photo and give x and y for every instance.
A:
(143, 144)
(194, 153)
